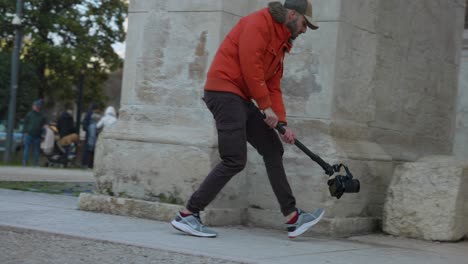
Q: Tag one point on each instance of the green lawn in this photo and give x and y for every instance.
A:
(64, 188)
(16, 159)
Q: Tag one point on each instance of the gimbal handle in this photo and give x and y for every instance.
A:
(329, 170)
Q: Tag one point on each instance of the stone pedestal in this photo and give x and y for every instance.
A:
(363, 90)
(460, 146)
(426, 199)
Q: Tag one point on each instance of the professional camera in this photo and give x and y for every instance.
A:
(341, 184)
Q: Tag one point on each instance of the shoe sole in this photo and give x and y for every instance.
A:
(188, 230)
(301, 230)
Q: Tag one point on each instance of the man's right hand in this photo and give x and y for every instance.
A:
(271, 119)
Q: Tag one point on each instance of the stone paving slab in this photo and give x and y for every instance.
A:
(28, 246)
(58, 215)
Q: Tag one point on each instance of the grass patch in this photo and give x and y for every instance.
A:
(170, 199)
(63, 188)
(16, 159)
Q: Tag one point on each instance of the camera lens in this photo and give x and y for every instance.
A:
(336, 187)
(352, 185)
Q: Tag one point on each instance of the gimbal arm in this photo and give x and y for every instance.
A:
(329, 170)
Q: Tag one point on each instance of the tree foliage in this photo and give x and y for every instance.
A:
(26, 83)
(66, 38)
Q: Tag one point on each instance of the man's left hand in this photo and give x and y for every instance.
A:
(289, 136)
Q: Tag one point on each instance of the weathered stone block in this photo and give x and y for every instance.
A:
(466, 216)
(128, 207)
(426, 199)
(332, 226)
(460, 148)
(160, 172)
(153, 210)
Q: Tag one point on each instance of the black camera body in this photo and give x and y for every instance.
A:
(341, 184)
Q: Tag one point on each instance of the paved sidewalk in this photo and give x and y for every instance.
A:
(45, 174)
(58, 215)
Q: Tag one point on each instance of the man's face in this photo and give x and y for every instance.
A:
(297, 25)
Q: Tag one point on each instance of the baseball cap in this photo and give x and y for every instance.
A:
(94, 106)
(38, 103)
(303, 7)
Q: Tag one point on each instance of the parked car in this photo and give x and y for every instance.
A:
(17, 136)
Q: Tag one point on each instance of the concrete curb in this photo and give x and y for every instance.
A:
(335, 227)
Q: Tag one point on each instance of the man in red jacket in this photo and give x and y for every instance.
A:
(247, 67)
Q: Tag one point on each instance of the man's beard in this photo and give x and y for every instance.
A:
(292, 26)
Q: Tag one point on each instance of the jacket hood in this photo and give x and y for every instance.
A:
(110, 111)
(277, 11)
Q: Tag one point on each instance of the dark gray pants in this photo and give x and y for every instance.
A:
(238, 122)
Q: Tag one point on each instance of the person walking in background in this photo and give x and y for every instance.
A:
(67, 131)
(47, 145)
(108, 119)
(33, 127)
(249, 66)
(86, 120)
(92, 134)
(65, 123)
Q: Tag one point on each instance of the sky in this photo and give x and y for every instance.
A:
(119, 47)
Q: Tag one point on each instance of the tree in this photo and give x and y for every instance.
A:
(27, 91)
(64, 38)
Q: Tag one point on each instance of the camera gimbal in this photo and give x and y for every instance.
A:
(340, 184)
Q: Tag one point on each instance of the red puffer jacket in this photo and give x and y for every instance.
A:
(249, 62)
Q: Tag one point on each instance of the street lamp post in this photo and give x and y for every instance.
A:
(14, 80)
(79, 101)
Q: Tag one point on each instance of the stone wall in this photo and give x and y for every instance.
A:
(461, 134)
(366, 90)
(427, 198)
(460, 146)
(164, 142)
(396, 73)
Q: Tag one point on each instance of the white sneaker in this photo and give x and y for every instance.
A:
(304, 222)
(192, 225)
